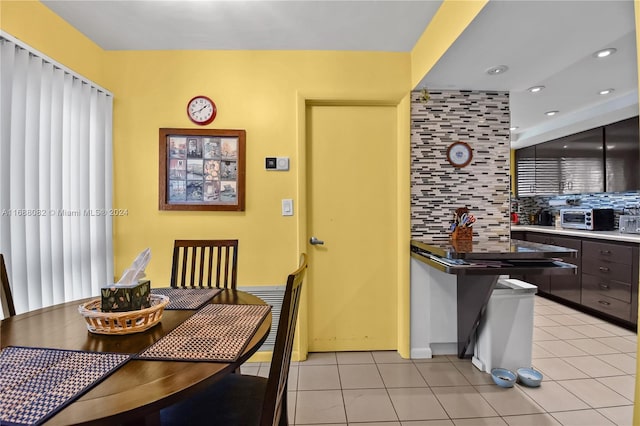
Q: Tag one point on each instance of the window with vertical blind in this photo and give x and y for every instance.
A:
(55, 179)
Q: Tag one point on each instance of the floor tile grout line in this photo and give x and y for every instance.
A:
(551, 356)
(559, 382)
(344, 402)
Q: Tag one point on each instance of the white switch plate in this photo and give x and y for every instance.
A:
(287, 207)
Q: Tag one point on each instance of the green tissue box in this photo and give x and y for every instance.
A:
(126, 297)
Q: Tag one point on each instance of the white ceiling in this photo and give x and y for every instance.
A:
(546, 43)
(549, 43)
(393, 26)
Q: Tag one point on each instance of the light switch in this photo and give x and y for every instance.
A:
(287, 207)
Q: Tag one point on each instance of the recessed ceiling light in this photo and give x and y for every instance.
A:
(500, 69)
(551, 113)
(605, 91)
(605, 52)
(535, 89)
(512, 128)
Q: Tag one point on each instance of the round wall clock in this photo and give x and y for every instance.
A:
(201, 110)
(459, 154)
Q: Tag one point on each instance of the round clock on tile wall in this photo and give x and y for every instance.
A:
(201, 110)
(459, 154)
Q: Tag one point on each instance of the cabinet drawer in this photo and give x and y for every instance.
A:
(614, 289)
(604, 251)
(607, 270)
(605, 304)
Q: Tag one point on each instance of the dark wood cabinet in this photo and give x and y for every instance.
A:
(581, 165)
(567, 286)
(622, 155)
(526, 171)
(607, 278)
(548, 171)
(610, 278)
(603, 159)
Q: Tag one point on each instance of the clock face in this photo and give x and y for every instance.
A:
(459, 154)
(201, 110)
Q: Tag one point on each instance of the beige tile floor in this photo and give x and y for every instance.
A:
(588, 367)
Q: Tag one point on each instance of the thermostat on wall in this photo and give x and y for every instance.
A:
(276, 163)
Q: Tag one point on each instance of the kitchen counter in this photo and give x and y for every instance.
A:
(489, 249)
(603, 235)
(485, 257)
(452, 281)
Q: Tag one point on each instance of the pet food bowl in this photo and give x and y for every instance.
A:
(529, 377)
(503, 377)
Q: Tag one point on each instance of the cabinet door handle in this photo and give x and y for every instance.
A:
(604, 286)
(607, 252)
(604, 302)
(603, 269)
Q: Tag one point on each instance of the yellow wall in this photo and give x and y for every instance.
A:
(262, 92)
(34, 24)
(512, 171)
(254, 90)
(448, 23)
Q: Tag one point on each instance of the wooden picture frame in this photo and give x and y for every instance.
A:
(202, 169)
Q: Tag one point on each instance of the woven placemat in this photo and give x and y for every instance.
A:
(36, 383)
(217, 332)
(186, 298)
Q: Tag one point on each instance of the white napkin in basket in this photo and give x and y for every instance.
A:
(136, 271)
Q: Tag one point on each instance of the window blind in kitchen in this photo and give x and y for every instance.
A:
(55, 179)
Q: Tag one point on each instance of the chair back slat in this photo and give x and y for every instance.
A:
(205, 263)
(274, 405)
(6, 299)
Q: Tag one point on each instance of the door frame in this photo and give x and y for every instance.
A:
(402, 106)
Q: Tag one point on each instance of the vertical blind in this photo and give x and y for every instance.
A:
(55, 179)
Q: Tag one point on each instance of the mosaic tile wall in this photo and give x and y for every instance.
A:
(621, 202)
(482, 120)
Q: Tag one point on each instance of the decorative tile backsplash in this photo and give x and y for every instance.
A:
(620, 202)
(481, 119)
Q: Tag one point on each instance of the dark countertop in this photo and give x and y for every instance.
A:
(490, 249)
(477, 266)
(602, 235)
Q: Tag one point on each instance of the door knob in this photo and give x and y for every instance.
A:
(314, 241)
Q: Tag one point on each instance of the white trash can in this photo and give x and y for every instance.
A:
(505, 334)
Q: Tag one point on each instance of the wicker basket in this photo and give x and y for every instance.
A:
(122, 322)
(462, 233)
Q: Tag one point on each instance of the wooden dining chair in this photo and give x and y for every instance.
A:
(244, 400)
(205, 263)
(6, 300)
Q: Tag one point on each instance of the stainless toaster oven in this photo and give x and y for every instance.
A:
(590, 219)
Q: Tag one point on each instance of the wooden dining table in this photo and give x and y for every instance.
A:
(136, 391)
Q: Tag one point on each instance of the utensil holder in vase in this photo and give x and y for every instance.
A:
(462, 233)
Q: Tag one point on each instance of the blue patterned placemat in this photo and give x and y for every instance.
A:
(36, 383)
(186, 298)
(217, 332)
